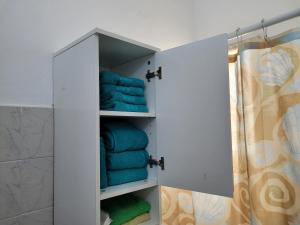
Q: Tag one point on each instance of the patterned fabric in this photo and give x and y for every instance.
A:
(265, 113)
(177, 206)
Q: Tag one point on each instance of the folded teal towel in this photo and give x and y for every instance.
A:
(118, 96)
(127, 159)
(121, 136)
(108, 89)
(109, 77)
(121, 106)
(116, 177)
(103, 176)
(131, 82)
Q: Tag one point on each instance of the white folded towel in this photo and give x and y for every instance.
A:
(105, 219)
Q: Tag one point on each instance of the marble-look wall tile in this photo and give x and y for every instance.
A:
(25, 133)
(40, 217)
(25, 185)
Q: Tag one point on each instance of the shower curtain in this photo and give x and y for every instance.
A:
(265, 115)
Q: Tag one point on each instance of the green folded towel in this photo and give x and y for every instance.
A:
(116, 177)
(120, 97)
(103, 176)
(121, 136)
(127, 160)
(108, 89)
(121, 106)
(124, 208)
(109, 77)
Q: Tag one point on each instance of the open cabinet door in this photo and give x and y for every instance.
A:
(193, 117)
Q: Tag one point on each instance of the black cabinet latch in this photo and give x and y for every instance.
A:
(151, 75)
(155, 162)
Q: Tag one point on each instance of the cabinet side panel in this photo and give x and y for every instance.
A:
(76, 138)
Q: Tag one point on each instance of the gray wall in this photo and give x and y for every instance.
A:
(31, 30)
(26, 166)
(228, 15)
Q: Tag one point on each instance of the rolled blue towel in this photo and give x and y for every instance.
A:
(109, 77)
(118, 96)
(108, 89)
(121, 136)
(116, 177)
(103, 176)
(127, 159)
(121, 106)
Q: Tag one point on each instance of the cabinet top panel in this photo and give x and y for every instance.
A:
(113, 41)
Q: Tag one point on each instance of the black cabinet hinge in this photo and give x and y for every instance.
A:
(151, 75)
(156, 162)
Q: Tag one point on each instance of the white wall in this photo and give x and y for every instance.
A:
(31, 30)
(214, 16)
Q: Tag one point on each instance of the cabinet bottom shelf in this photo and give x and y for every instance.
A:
(114, 191)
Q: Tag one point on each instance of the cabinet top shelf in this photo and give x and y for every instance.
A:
(104, 113)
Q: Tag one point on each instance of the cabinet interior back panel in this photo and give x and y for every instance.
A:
(138, 68)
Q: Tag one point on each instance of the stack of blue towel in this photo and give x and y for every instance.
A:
(120, 93)
(103, 176)
(126, 157)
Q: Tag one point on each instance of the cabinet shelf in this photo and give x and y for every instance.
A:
(114, 191)
(104, 113)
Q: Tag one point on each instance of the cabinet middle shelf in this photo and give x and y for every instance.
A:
(104, 113)
(117, 190)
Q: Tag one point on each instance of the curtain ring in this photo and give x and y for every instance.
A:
(264, 30)
(237, 31)
(237, 34)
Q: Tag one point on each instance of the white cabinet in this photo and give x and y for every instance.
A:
(188, 123)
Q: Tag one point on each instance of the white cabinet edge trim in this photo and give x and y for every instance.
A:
(99, 31)
(126, 188)
(126, 114)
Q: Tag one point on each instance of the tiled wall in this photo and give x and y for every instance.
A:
(26, 166)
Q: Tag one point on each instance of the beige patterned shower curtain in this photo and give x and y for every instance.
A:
(265, 113)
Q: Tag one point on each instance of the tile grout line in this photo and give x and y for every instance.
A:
(27, 213)
(27, 106)
(30, 158)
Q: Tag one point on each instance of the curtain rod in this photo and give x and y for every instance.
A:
(266, 23)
